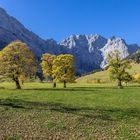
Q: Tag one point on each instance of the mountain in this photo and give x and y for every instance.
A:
(86, 49)
(90, 51)
(11, 29)
(117, 43)
(135, 56)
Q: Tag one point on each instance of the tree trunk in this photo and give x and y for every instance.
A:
(17, 83)
(22, 82)
(54, 85)
(120, 84)
(65, 84)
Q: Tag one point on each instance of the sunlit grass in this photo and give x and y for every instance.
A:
(82, 111)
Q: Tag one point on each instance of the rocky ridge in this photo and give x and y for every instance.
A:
(90, 51)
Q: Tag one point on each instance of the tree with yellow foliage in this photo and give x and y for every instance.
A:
(137, 77)
(17, 60)
(64, 69)
(22, 78)
(117, 68)
(47, 64)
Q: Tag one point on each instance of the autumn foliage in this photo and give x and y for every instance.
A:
(17, 61)
(118, 68)
(60, 68)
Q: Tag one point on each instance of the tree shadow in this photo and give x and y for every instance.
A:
(78, 89)
(110, 114)
(61, 89)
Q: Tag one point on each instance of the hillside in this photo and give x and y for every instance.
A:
(90, 51)
(102, 76)
(135, 56)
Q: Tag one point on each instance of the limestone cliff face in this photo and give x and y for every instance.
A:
(90, 51)
(112, 45)
(86, 49)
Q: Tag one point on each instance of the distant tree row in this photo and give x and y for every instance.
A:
(17, 62)
(59, 68)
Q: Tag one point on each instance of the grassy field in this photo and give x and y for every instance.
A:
(80, 112)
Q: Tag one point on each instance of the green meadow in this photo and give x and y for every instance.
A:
(80, 112)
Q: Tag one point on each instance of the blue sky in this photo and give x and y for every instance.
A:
(59, 19)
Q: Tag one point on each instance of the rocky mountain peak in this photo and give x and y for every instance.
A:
(93, 49)
(83, 41)
(114, 44)
(90, 51)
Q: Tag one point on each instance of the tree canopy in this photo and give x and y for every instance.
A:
(137, 77)
(47, 64)
(64, 68)
(16, 61)
(118, 68)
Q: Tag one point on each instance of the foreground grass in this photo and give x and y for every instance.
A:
(78, 112)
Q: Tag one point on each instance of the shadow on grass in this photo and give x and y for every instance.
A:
(110, 114)
(83, 89)
(78, 89)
